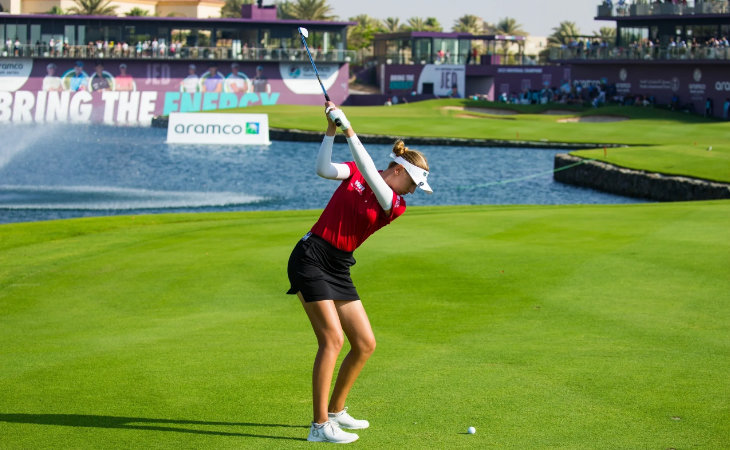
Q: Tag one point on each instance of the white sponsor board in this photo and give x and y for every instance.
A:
(300, 78)
(218, 128)
(448, 80)
(14, 73)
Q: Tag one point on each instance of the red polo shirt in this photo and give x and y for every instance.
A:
(353, 213)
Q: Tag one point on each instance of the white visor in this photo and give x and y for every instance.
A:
(419, 176)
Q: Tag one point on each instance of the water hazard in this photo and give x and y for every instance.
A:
(61, 171)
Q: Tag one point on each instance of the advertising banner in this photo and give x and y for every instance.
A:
(132, 92)
(441, 80)
(703, 87)
(218, 128)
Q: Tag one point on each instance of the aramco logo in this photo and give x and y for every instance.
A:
(697, 75)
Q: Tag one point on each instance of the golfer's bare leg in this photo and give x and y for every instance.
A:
(327, 328)
(355, 323)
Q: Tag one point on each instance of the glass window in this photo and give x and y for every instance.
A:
(162, 34)
(701, 33)
(633, 36)
(22, 34)
(69, 34)
(11, 31)
(35, 34)
(447, 50)
(464, 50)
(82, 34)
(422, 51)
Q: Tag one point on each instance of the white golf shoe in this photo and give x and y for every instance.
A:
(345, 420)
(330, 432)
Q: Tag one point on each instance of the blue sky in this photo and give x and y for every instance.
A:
(538, 17)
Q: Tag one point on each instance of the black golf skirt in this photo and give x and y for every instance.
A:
(320, 271)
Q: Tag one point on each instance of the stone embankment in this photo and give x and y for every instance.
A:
(635, 183)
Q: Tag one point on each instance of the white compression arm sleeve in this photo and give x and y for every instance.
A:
(325, 167)
(365, 163)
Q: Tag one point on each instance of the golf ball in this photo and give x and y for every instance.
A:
(471, 430)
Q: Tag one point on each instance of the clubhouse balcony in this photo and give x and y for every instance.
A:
(609, 10)
(256, 39)
(642, 53)
(161, 51)
(428, 47)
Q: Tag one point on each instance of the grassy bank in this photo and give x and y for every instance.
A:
(660, 140)
(567, 327)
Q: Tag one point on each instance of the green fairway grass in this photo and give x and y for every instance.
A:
(661, 140)
(700, 162)
(542, 326)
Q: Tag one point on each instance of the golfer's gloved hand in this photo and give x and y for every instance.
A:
(338, 117)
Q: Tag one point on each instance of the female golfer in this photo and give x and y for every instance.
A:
(319, 266)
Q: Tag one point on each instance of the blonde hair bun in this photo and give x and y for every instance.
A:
(412, 156)
(399, 148)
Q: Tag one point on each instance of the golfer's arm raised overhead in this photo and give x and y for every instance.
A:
(325, 167)
(365, 163)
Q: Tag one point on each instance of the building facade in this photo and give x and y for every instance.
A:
(180, 8)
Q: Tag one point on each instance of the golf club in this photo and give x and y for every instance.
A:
(305, 34)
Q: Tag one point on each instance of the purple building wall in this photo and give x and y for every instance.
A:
(490, 80)
(693, 83)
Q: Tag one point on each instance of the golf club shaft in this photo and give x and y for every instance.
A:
(314, 66)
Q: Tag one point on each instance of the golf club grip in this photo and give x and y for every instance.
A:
(338, 122)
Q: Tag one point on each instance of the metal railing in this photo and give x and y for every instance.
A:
(665, 9)
(644, 53)
(490, 59)
(187, 53)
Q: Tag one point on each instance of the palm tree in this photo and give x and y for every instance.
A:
(232, 8)
(361, 35)
(563, 34)
(468, 24)
(56, 11)
(305, 10)
(391, 25)
(509, 26)
(416, 24)
(137, 12)
(432, 24)
(93, 8)
(607, 34)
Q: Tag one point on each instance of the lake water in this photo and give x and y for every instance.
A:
(61, 171)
